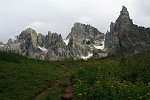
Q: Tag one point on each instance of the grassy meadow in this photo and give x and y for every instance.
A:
(113, 78)
(124, 78)
(23, 79)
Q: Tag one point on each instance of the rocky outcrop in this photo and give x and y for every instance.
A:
(12, 45)
(54, 40)
(41, 40)
(85, 35)
(82, 42)
(28, 42)
(1, 43)
(56, 46)
(2, 46)
(86, 38)
(125, 37)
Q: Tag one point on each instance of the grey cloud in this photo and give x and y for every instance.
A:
(60, 15)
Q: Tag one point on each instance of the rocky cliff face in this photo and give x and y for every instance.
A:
(28, 42)
(1, 46)
(83, 41)
(85, 35)
(125, 37)
(87, 38)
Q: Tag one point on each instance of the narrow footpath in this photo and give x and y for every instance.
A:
(62, 84)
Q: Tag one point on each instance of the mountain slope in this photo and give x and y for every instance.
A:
(23, 79)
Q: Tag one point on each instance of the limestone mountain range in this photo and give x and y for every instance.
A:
(83, 42)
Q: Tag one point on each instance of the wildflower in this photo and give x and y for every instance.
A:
(80, 81)
(80, 94)
(141, 97)
(112, 86)
(125, 85)
(148, 93)
(97, 81)
(84, 93)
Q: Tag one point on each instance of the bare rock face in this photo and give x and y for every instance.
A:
(28, 41)
(41, 40)
(84, 41)
(54, 40)
(12, 45)
(125, 37)
(2, 46)
(1, 43)
(84, 35)
(86, 38)
(56, 46)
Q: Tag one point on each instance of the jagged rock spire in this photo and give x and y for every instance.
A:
(123, 20)
(125, 37)
(124, 12)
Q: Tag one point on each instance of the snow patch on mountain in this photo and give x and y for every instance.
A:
(87, 57)
(2, 45)
(100, 47)
(43, 49)
(66, 41)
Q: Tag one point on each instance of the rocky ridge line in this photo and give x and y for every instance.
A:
(83, 41)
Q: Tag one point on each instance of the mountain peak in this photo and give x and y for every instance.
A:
(77, 23)
(124, 12)
(124, 8)
(29, 29)
(123, 20)
(125, 37)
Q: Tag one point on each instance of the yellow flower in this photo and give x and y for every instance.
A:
(141, 97)
(84, 93)
(112, 86)
(80, 94)
(148, 93)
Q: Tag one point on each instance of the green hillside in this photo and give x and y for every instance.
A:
(113, 78)
(23, 79)
(124, 78)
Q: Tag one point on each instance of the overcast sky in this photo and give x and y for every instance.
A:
(60, 15)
